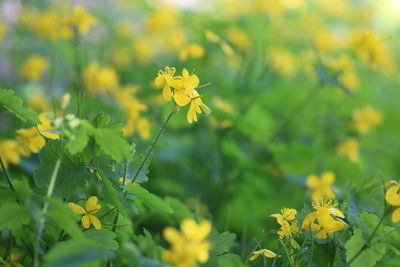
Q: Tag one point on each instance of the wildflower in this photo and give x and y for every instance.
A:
(13, 261)
(91, 207)
(192, 51)
(282, 61)
(196, 104)
(393, 198)
(166, 80)
(285, 215)
(323, 220)
(287, 221)
(9, 151)
(365, 119)
(349, 149)
(188, 245)
(266, 252)
(100, 78)
(39, 102)
(45, 127)
(239, 38)
(30, 141)
(321, 186)
(34, 67)
(81, 19)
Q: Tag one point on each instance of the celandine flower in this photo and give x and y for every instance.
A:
(166, 80)
(266, 252)
(91, 207)
(10, 152)
(325, 220)
(349, 149)
(364, 120)
(321, 186)
(188, 246)
(393, 198)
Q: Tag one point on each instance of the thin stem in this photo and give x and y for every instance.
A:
(286, 252)
(301, 248)
(41, 222)
(152, 146)
(7, 175)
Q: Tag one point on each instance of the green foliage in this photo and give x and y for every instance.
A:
(222, 243)
(13, 216)
(13, 103)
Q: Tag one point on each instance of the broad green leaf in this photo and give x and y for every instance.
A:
(23, 190)
(104, 237)
(148, 199)
(112, 195)
(71, 175)
(62, 216)
(76, 253)
(12, 216)
(222, 243)
(180, 210)
(226, 260)
(148, 246)
(13, 103)
(78, 143)
(369, 256)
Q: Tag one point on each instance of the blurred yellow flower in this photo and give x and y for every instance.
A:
(188, 246)
(30, 141)
(365, 119)
(3, 28)
(127, 181)
(34, 67)
(13, 260)
(191, 51)
(38, 102)
(45, 127)
(81, 19)
(265, 252)
(143, 50)
(324, 220)
(223, 105)
(349, 148)
(239, 38)
(99, 78)
(87, 218)
(10, 152)
(282, 61)
(393, 198)
(321, 186)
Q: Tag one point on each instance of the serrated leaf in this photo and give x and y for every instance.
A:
(148, 199)
(78, 143)
(104, 237)
(62, 216)
(226, 260)
(369, 256)
(13, 103)
(71, 175)
(12, 216)
(222, 243)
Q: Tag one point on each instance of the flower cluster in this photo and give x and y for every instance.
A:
(188, 246)
(288, 223)
(364, 120)
(349, 148)
(183, 90)
(324, 220)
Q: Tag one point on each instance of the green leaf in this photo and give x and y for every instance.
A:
(12, 216)
(71, 175)
(112, 195)
(13, 103)
(180, 210)
(104, 237)
(148, 199)
(369, 256)
(222, 243)
(226, 260)
(62, 216)
(76, 253)
(23, 190)
(78, 143)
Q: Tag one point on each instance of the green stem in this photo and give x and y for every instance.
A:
(7, 175)
(286, 252)
(41, 222)
(152, 146)
(301, 248)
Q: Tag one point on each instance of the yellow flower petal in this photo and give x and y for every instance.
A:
(396, 215)
(328, 178)
(181, 98)
(86, 221)
(393, 195)
(95, 221)
(312, 181)
(172, 235)
(91, 205)
(77, 209)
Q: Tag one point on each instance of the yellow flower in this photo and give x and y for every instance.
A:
(239, 38)
(349, 149)
(196, 104)
(321, 187)
(100, 78)
(192, 51)
(45, 127)
(166, 80)
(13, 261)
(127, 181)
(282, 61)
(9, 151)
(393, 198)
(91, 207)
(364, 120)
(81, 19)
(3, 28)
(323, 220)
(30, 141)
(266, 252)
(39, 102)
(34, 67)
(285, 215)
(188, 246)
